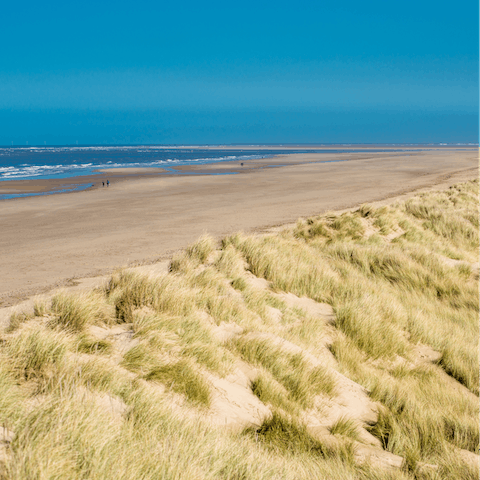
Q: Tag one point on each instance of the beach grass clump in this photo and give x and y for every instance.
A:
(140, 359)
(202, 248)
(331, 227)
(422, 416)
(271, 392)
(16, 320)
(182, 378)
(286, 435)
(303, 329)
(290, 265)
(12, 397)
(383, 262)
(347, 225)
(210, 355)
(230, 261)
(346, 427)
(188, 336)
(448, 218)
(35, 351)
(129, 290)
(262, 302)
(437, 325)
(76, 311)
(291, 370)
(239, 283)
(226, 307)
(55, 439)
(461, 364)
(350, 358)
(100, 374)
(194, 255)
(437, 218)
(40, 308)
(366, 325)
(89, 344)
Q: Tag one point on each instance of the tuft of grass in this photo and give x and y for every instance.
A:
(75, 312)
(139, 359)
(346, 427)
(12, 397)
(88, 344)
(230, 261)
(194, 255)
(211, 356)
(40, 308)
(100, 374)
(366, 210)
(16, 320)
(366, 326)
(291, 370)
(182, 378)
(187, 336)
(129, 290)
(35, 351)
(289, 436)
(239, 283)
(422, 417)
(286, 435)
(202, 248)
(269, 391)
(461, 364)
(348, 225)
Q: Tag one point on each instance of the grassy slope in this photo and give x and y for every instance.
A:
(82, 407)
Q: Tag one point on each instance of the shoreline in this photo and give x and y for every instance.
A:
(15, 189)
(52, 240)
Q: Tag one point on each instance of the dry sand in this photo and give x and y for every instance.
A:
(45, 241)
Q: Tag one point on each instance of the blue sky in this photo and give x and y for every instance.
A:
(249, 72)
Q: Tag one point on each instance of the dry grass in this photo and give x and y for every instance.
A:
(181, 377)
(346, 427)
(301, 380)
(135, 402)
(75, 312)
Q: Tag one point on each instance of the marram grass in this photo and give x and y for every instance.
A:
(135, 401)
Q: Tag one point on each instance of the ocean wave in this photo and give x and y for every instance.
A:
(25, 170)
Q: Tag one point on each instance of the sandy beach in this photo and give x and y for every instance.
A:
(145, 216)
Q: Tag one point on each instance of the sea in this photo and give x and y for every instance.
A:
(49, 162)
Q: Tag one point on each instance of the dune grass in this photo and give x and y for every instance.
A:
(287, 435)
(301, 380)
(346, 427)
(136, 401)
(75, 312)
(182, 378)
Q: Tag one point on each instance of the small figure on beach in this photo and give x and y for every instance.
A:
(241, 164)
(103, 184)
(108, 183)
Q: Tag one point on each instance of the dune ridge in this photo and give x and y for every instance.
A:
(344, 346)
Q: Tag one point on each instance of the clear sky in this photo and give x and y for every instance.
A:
(250, 72)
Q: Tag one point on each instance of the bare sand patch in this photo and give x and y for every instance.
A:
(130, 171)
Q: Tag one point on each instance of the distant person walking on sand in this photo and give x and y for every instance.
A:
(103, 184)
(108, 183)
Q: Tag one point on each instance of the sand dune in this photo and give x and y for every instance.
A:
(344, 346)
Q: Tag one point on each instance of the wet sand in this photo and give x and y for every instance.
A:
(143, 217)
